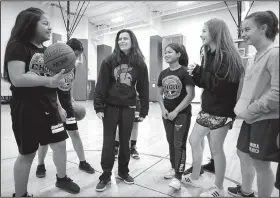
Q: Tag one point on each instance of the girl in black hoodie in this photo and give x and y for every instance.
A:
(219, 75)
(115, 102)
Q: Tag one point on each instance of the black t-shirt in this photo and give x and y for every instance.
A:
(33, 58)
(174, 87)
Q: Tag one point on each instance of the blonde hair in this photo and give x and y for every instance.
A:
(221, 36)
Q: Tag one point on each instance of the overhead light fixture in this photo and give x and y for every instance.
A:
(184, 3)
(117, 19)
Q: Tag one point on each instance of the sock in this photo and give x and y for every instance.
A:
(83, 162)
(117, 143)
(133, 143)
(245, 193)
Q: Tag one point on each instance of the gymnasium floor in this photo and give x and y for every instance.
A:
(148, 172)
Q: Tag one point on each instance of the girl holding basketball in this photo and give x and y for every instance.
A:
(115, 102)
(219, 77)
(66, 101)
(35, 112)
(177, 88)
(258, 106)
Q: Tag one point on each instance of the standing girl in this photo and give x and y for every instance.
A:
(67, 102)
(219, 77)
(115, 102)
(259, 106)
(175, 93)
(36, 116)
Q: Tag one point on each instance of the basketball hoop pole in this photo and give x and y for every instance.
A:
(68, 20)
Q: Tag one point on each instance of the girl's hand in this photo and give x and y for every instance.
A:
(57, 80)
(171, 116)
(164, 113)
(191, 68)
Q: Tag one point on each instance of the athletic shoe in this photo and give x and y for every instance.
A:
(214, 191)
(134, 154)
(67, 184)
(126, 178)
(194, 183)
(170, 174)
(237, 192)
(209, 166)
(101, 186)
(84, 166)
(189, 170)
(25, 195)
(41, 171)
(175, 183)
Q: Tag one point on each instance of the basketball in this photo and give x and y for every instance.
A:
(80, 111)
(59, 56)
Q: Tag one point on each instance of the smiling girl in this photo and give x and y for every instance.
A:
(219, 77)
(258, 106)
(175, 93)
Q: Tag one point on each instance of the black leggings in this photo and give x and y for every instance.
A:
(177, 134)
(123, 117)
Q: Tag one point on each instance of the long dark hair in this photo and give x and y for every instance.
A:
(135, 55)
(268, 18)
(24, 30)
(178, 48)
(221, 36)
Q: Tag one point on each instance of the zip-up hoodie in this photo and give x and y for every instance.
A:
(259, 98)
(116, 85)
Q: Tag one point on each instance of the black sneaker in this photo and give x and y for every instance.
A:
(209, 167)
(67, 184)
(41, 171)
(101, 186)
(189, 171)
(25, 195)
(127, 178)
(237, 192)
(134, 154)
(116, 152)
(84, 166)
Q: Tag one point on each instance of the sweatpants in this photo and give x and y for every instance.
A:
(123, 117)
(177, 134)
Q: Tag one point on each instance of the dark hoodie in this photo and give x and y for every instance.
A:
(116, 85)
(219, 95)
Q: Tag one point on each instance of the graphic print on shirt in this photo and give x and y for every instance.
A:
(122, 75)
(172, 87)
(69, 79)
(38, 67)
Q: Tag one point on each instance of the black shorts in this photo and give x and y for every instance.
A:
(32, 125)
(277, 182)
(213, 122)
(71, 123)
(259, 140)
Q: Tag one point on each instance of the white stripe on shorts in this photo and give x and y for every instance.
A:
(57, 128)
(71, 120)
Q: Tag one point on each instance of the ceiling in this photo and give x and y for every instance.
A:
(110, 15)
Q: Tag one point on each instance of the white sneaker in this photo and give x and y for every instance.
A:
(175, 183)
(214, 191)
(194, 183)
(170, 174)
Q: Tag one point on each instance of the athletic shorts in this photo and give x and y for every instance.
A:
(213, 122)
(71, 123)
(277, 181)
(259, 140)
(32, 125)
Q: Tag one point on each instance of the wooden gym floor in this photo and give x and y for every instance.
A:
(148, 172)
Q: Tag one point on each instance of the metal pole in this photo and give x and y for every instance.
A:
(68, 20)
